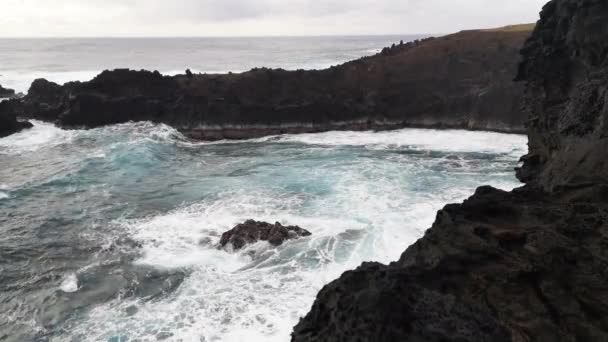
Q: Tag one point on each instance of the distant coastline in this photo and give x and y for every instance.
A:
(463, 80)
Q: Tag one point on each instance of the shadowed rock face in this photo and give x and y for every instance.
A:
(527, 265)
(6, 93)
(462, 80)
(253, 231)
(8, 120)
(567, 95)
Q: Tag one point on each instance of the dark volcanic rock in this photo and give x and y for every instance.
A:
(502, 266)
(6, 93)
(527, 265)
(567, 95)
(462, 80)
(253, 231)
(8, 120)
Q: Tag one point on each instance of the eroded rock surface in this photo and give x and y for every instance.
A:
(252, 231)
(526, 265)
(6, 93)
(8, 120)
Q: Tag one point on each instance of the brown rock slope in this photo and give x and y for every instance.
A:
(462, 80)
(527, 265)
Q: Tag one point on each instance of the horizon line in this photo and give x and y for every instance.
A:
(227, 36)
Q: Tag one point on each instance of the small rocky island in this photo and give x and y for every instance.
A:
(526, 265)
(463, 80)
(252, 231)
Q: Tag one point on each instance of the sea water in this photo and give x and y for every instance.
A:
(111, 234)
(80, 59)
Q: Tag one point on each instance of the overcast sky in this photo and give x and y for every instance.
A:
(256, 17)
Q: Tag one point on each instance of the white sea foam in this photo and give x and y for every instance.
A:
(69, 284)
(421, 139)
(41, 135)
(232, 297)
(361, 204)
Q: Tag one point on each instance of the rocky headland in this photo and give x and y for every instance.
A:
(463, 80)
(526, 265)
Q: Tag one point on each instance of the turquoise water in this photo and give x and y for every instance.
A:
(110, 234)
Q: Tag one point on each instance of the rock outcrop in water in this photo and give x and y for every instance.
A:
(462, 80)
(252, 231)
(526, 265)
(8, 120)
(6, 93)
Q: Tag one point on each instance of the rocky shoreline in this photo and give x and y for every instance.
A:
(463, 80)
(9, 124)
(526, 265)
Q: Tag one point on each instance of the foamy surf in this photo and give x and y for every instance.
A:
(136, 198)
(69, 284)
(41, 135)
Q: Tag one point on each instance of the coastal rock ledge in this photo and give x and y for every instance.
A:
(526, 265)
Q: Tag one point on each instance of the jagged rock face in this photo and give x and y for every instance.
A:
(527, 265)
(500, 267)
(566, 69)
(252, 231)
(6, 93)
(458, 81)
(8, 120)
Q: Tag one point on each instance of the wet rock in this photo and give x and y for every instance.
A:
(6, 93)
(526, 265)
(253, 231)
(518, 266)
(8, 120)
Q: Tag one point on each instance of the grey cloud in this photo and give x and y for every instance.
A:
(255, 17)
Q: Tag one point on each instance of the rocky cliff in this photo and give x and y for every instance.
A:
(527, 265)
(462, 80)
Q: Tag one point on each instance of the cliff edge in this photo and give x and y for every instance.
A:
(526, 265)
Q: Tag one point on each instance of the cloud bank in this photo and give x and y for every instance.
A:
(256, 17)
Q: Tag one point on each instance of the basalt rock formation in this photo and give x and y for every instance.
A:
(462, 80)
(6, 93)
(526, 265)
(252, 231)
(8, 120)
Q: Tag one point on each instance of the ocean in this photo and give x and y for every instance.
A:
(111, 234)
(79, 59)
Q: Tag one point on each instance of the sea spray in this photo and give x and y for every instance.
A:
(92, 213)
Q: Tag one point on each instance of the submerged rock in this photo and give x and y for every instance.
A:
(526, 265)
(252, 231)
